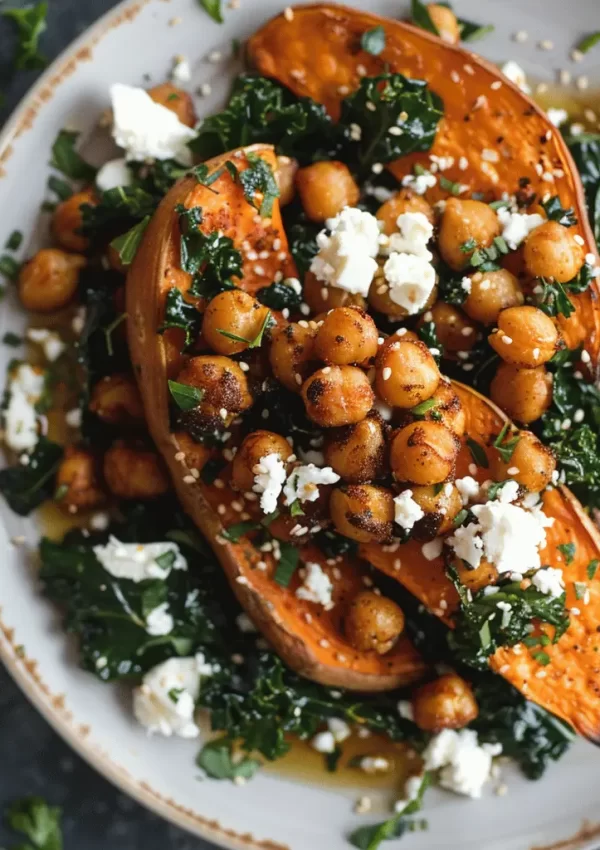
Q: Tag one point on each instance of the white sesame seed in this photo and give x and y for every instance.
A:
(585, 356)
(590, 259)
(579, 239)
(576, 55)
(189, 479)
(497, 84)
(215, 56)
(506, 340)
(179, 456)
(288, 13)
(467, 331)
(490, 155)
(242, 580)
(455, 76)
(582, 83)
(386, 374)
(377, 168)
(546, 44)
(463, 163)
(513, 470)
(469, 69)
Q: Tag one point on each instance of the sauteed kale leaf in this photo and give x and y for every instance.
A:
(26, 487)
(585, 149)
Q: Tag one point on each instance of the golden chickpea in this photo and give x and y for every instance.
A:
(448, 407)
(77, 480)
(405, 372)
(381, 301)
(224, 383)
(490, 293)
(322, 298)
(254, 448)
(483, 576)
(292, 355)
(337, 395)
(440, 506)
(373, 622)
(534, 461)
(234, 312)
(523, 394)
(134, 472)
(117, 401)
(455, 330)
(68, 220)
(325, 188)
(357, 452)
(402, 202)
(551, 251)
(445, 703)
(445, 22)
(526, 337)
(287, 168)
(462, 222)
(363, 512)
(175, 100)
(49, 280)
(347, 335)
(424, 453)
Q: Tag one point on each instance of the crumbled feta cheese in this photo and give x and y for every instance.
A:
(323, 742)
(509, 492)
(517, 226)
(182, 72)
(165, 701)
(73, 418)
(49, 341)
(516, 75)
(411, 280)
(419, 183)
(415, 231)
(549, 580)
(346, 253)
(100, 521)
(303, 483)
(412, 789)
(405, 709)
(269, 478)
(25, 389)
(147, 130)
(468, 488)
(160, 621)
(316, 587)
(433, 549)
(407, 511)
(114, 174)
(294, 283)
(464, 764)
(339, 729)
(374, 764)
(467, 284)
(557, 116)
(139, 561)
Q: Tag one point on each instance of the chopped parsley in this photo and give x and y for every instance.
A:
(38, 822)
(556, 212)
(258, 339)
(127, 245)
(214, 9)
(67, 160)
(477, 453)
(185, 396)
(179, 313)
(589, 41)
(506, 448)
(287, 564)
(217, 760)
(567, 550)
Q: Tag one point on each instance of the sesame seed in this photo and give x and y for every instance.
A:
(585, 356)
(536, 353)
(579, 239)
(541, 88)
(579, 415)
(377, 168)
(455, 76)
(242, 580)
(259, 270)
(363, 805)
(513, 470)
(469, 69)
(288, 13)
(506, 340)
(546, 44)
(590, 259)
(566, 424)
(582, 83)
(590, 115)
(343, 90)
(265, 414)
(361, 71)
(468, 367)
(219, 483)
(496, 85)
(205, 90)
(467, 331)
(371, 106)
(521, 36)
(195, 473)
(386, 374)
(395, 131)
(179, 456)
(576, 55)
(463, 163)
(189, 479)
(575, 611)
(324, 643)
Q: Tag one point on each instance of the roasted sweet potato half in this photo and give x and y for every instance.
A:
(308, 637)
(499, 139)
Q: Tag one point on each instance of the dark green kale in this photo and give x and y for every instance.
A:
(26, 486)
(427, 333)
(302, 239)
(210, 258)
(259, 177)
(556, 212)
(370, 837)
(117, 210)
(67, 160)
(179, 313)
(554, 299)
(38, 822)
(585, 149)
(218, 761)
(333, 544)
(128, 243)
(279, 296)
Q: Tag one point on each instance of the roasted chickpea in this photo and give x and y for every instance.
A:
(551, 251)
(321, 298)
(445, 22)
(373, 622)
(363, 512)
(224, 383)
(424, 453)
(236, 313)
(533, 461)
(381, 301)
(78, 481)
(68, 220)
(347, 335)
(405, 372)
(455, 330)
(117, 401)
(482, 576)
(49, 280)
(490, 293)
(356, 452)
(462, 222)
(440, 506)
(402, 202)
(292, 355)
(526, 337)
(337, 395)
(134, 472)
(175, 100)
(254, 448)
(523, 394)
(448, 407)
(445, 703)
(287, 168)
(325, 188)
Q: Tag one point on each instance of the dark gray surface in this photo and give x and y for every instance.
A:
(33, 759)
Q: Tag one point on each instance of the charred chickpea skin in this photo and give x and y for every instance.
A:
(254, 448)
(402, 202)
(78, 477)
(292, 354)
(455, 330)
(551, 251)
(347, 335)
(424, 453)
(287, 168)
(363, 512)
(440, 506)
(373, 622)
(116, 400)
(490, 293)
(484, 575)
(236, 313)
(321, 298)
(224, 383)
(175, 100)
(325, 188)
(445, 22)
(405, 372)
(445, 703)
(461, 222)
(531, 465)
(525, 337)
(337, 395)
(48, 282)
(357, 452)
(523, 394)
(68, 220)
(134, 471)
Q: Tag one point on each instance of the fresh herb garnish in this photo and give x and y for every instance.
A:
(420, 17)
(470, 31)
(506, 447)
(213, 7)
(66, 159)
(373, 41)
(554, 297)
(127, 245)
(287, 564)
(567, 550)
(11, 339)
(450, 186)
(556, 212)
(370, 837)
(61, 188)
(424, 406)
(495, 489)
(259, 177)
(217, 760)
(38, 822)
(251, 343)
(585, 150)
(580, 588)
(279, 296)
(185, 396)
(14, 241)
(541, 657)
(238, 530)
(9, 267)
(25, 487)
(210, 258)
(179, 313)
(30, 22)
(592, 567)
(589, 41)
(427, 333)
(477, 453)
(486, 259)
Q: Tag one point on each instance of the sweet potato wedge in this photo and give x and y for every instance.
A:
(489, 124)
(570, 684)
(306, 636)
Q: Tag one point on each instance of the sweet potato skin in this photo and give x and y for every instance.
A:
(317, 649)
(489, 125)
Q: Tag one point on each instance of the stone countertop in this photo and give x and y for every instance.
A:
(33, 759)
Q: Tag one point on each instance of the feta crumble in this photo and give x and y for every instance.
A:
(303, 483)
(113, 174)
(347, 251)
(467, 284)
(433, 549)
(516, 227)
(316, 587)
(550, 581)
(49, 341)
(323, 742)
(414, 232)
(339, 729)
(182, 72)
(165, 701)
(139, 561)
(20, 418)
(464, 765)
(269, 478)
(419, 183)
(516, 75)
(405, 710)
(557, 116)
(411, 281)
(468, 488)
(406, 511)
(159, 621)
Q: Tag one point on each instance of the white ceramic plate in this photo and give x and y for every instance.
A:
(139, 38)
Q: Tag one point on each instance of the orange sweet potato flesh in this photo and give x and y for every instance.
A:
(317, 53)
(306, 636)
(570, 684)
